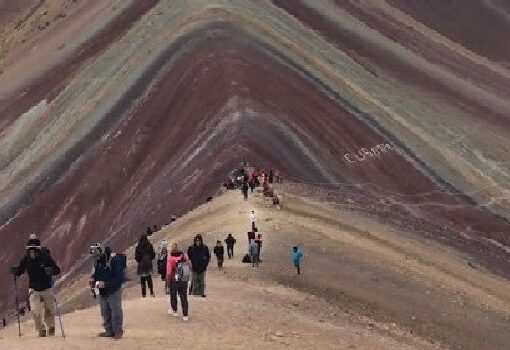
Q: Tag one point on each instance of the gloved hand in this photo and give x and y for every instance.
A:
(14, 270)
(48, 270)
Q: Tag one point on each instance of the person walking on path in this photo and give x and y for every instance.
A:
(297, 256)
(199, 255)
(144, 256)
(219, 251)
(245, 190)
(258, 240)
(230, 241)
(40, 267)
(108, 277)
(251, 237)
(252, 220)
(254, 253)
(178, 274)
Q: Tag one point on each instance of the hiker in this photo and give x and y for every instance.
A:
(144, 255)
(178, 274)
(162, 262)
(271, 175)
(251, 183)
(230, 241)
(108, 277)
(252, 219)
(199, 255)
(40, 267)
(297, 255)
(149, 231)
(251, 237)
(245, 190)
(155, 228)
(254, 253)
(219, 251)
(258, 240)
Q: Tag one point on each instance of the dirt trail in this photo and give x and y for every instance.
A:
(241, 309)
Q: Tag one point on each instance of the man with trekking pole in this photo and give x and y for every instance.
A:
(40, 267)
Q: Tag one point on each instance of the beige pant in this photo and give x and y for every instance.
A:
(43, 307)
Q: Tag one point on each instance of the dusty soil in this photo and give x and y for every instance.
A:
(364, 286)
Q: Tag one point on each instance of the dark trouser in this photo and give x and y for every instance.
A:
(198, 282)
(245, 194)
(298, 269)
(220, 262)
(254, 260)
(179, 287)
(230, 251)
(111, 311)
(146, 280)
(253, 226)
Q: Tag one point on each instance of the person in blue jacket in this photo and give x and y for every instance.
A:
(108, 277)
(297, 255)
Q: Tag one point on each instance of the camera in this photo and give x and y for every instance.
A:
(96, 249)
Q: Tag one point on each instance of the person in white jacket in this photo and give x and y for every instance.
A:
(252, 219)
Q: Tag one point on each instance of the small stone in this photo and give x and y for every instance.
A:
(278, 334)
(413, 318)
(295, 333)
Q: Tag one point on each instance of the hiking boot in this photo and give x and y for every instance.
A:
(118, 335)
(51, 331)
(42, 333)
(105, 335)
(185, 318)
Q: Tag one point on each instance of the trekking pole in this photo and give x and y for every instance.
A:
(17, 305)
(57, 308)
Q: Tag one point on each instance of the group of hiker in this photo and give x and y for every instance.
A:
(176, 268)
(248, 179)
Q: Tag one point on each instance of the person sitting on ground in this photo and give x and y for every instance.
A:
(108, 277)
(144, 255)
(40, 267)
(297, 256)
(178, 273)
(230, 241)
(254, 253)
(200, 257)
(219, 251)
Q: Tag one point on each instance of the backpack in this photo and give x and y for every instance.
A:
(246, 259)
(120, 260)
(182, 270)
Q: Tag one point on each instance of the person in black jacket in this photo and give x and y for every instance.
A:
(230, 241)
(108, 277)
(40, 267)
(144, 256)
(200, 257)
(219, 251)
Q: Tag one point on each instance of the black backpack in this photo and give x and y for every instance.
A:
(246, 259)
(120, 259)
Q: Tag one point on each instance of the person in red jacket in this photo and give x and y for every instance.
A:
(178, 271)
